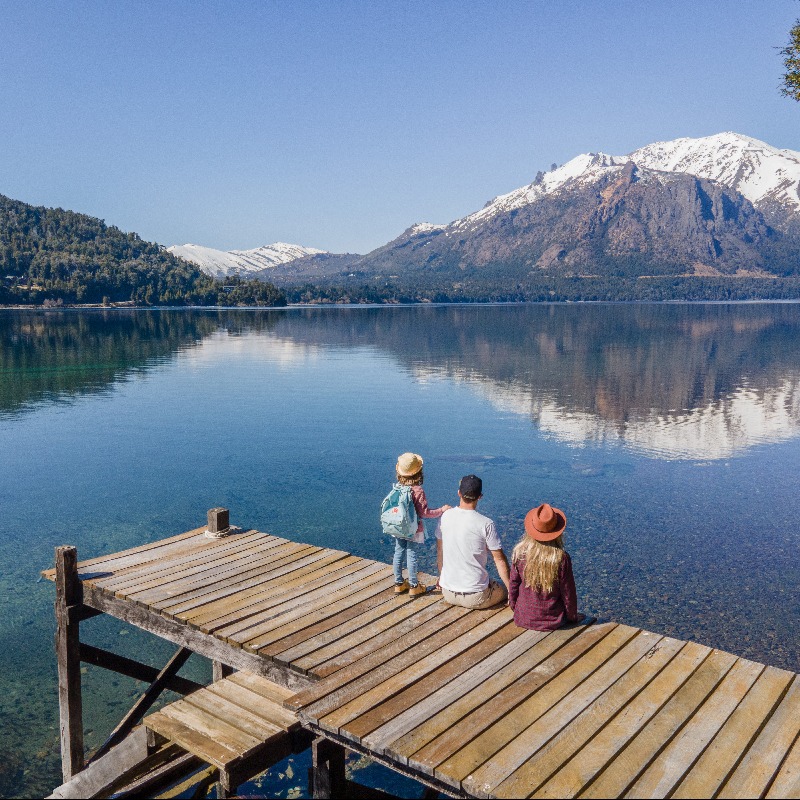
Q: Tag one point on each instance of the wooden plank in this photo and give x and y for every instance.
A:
(729, 746)
(379, 643)
(237, 608)
(761, 763)
(561, 747)
(260, 570)
(201, 550)
(204, 645)
(84, 566)
(209, 750)
(191, 607)
(240, 697)
(318, 629)
(167, 585)
(215, 730)
(299, 612)
(209, 702)
(411, 720)
(361, 676)
(352, 632)
(339, 719)
(448, 667)
(581, 769)
(99, 776)
(524, 707)
(787, 781)
(685, 748)
(468, 718)
(527, 741)
(267, 689)
(628, 764)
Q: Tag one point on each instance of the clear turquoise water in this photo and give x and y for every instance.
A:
(668, 434)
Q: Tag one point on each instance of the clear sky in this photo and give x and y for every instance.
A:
(339, 124)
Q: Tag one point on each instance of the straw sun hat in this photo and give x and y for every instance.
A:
(408, 464)
(545, 523)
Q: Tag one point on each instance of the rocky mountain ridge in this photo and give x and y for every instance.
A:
(721, 205)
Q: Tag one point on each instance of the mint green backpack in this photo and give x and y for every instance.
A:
(398, 515)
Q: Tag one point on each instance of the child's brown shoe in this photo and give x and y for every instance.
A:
(416, 591)
(399, 588)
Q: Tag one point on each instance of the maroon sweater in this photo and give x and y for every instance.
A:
(543, 611)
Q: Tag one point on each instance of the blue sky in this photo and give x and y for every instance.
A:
(338, 124)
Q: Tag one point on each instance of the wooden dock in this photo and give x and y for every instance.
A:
(463, 701)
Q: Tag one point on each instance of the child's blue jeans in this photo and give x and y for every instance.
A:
(408, 548)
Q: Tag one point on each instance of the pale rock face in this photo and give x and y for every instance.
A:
(221, 264)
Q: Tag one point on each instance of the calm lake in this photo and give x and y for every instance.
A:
(669, 434)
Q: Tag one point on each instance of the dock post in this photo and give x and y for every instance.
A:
(68, 596)
(220, 671)
(327, 769)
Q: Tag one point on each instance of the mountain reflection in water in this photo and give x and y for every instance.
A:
(684, 381)
(668, 381)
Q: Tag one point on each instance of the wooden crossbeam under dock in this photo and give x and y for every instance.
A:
(463, 701)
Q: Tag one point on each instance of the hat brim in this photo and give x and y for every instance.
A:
(545, 536)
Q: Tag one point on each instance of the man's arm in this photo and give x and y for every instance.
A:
(439, 556)
(501, 562)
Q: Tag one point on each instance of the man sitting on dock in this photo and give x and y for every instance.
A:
(464, 540)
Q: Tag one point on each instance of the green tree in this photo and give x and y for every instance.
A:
(791, 61)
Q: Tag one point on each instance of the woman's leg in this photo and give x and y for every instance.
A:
(397, 563)
(411, 550)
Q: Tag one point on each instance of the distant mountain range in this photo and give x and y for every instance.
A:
(719, 206)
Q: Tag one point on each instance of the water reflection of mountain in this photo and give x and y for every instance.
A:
(59, 354)
(691, 381)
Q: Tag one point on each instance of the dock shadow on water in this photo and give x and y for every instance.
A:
(669, 434)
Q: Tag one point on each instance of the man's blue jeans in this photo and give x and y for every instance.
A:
(408, 548)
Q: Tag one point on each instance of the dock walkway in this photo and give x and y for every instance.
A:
(463, 701)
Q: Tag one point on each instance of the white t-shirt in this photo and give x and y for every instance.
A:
(467, 537)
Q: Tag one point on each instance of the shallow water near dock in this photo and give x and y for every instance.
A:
(669, 434)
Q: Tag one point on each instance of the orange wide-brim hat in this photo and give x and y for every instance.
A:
(408, 464)
(545, 523)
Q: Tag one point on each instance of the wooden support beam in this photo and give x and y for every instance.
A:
(195, 640)
(219, 671)
(68, 593)
(218, 520)
(144, 702)
(133, 669)
(327, 769)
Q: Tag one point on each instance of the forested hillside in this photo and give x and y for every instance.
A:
(51, 255)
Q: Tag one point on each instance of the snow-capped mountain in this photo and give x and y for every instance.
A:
(768, 177)
(221, 263)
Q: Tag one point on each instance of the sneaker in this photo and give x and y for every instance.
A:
(399, 588)
(416, 591)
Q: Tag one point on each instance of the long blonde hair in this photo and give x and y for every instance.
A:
(542, 562)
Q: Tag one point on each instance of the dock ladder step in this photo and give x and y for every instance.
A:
(237, 724)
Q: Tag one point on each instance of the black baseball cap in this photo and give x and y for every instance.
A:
(471, 487)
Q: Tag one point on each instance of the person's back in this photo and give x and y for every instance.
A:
(467, 536)
(465, 539)
(542, 589)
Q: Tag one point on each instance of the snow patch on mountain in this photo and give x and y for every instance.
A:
(768, 177)
(221, 263)
(762, 173)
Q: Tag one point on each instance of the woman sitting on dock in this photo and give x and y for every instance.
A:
(542, 591)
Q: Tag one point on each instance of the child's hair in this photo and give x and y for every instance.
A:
(542, 562)
(410, 480)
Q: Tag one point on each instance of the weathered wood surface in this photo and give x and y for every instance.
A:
(463, 700)
(234, 724)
